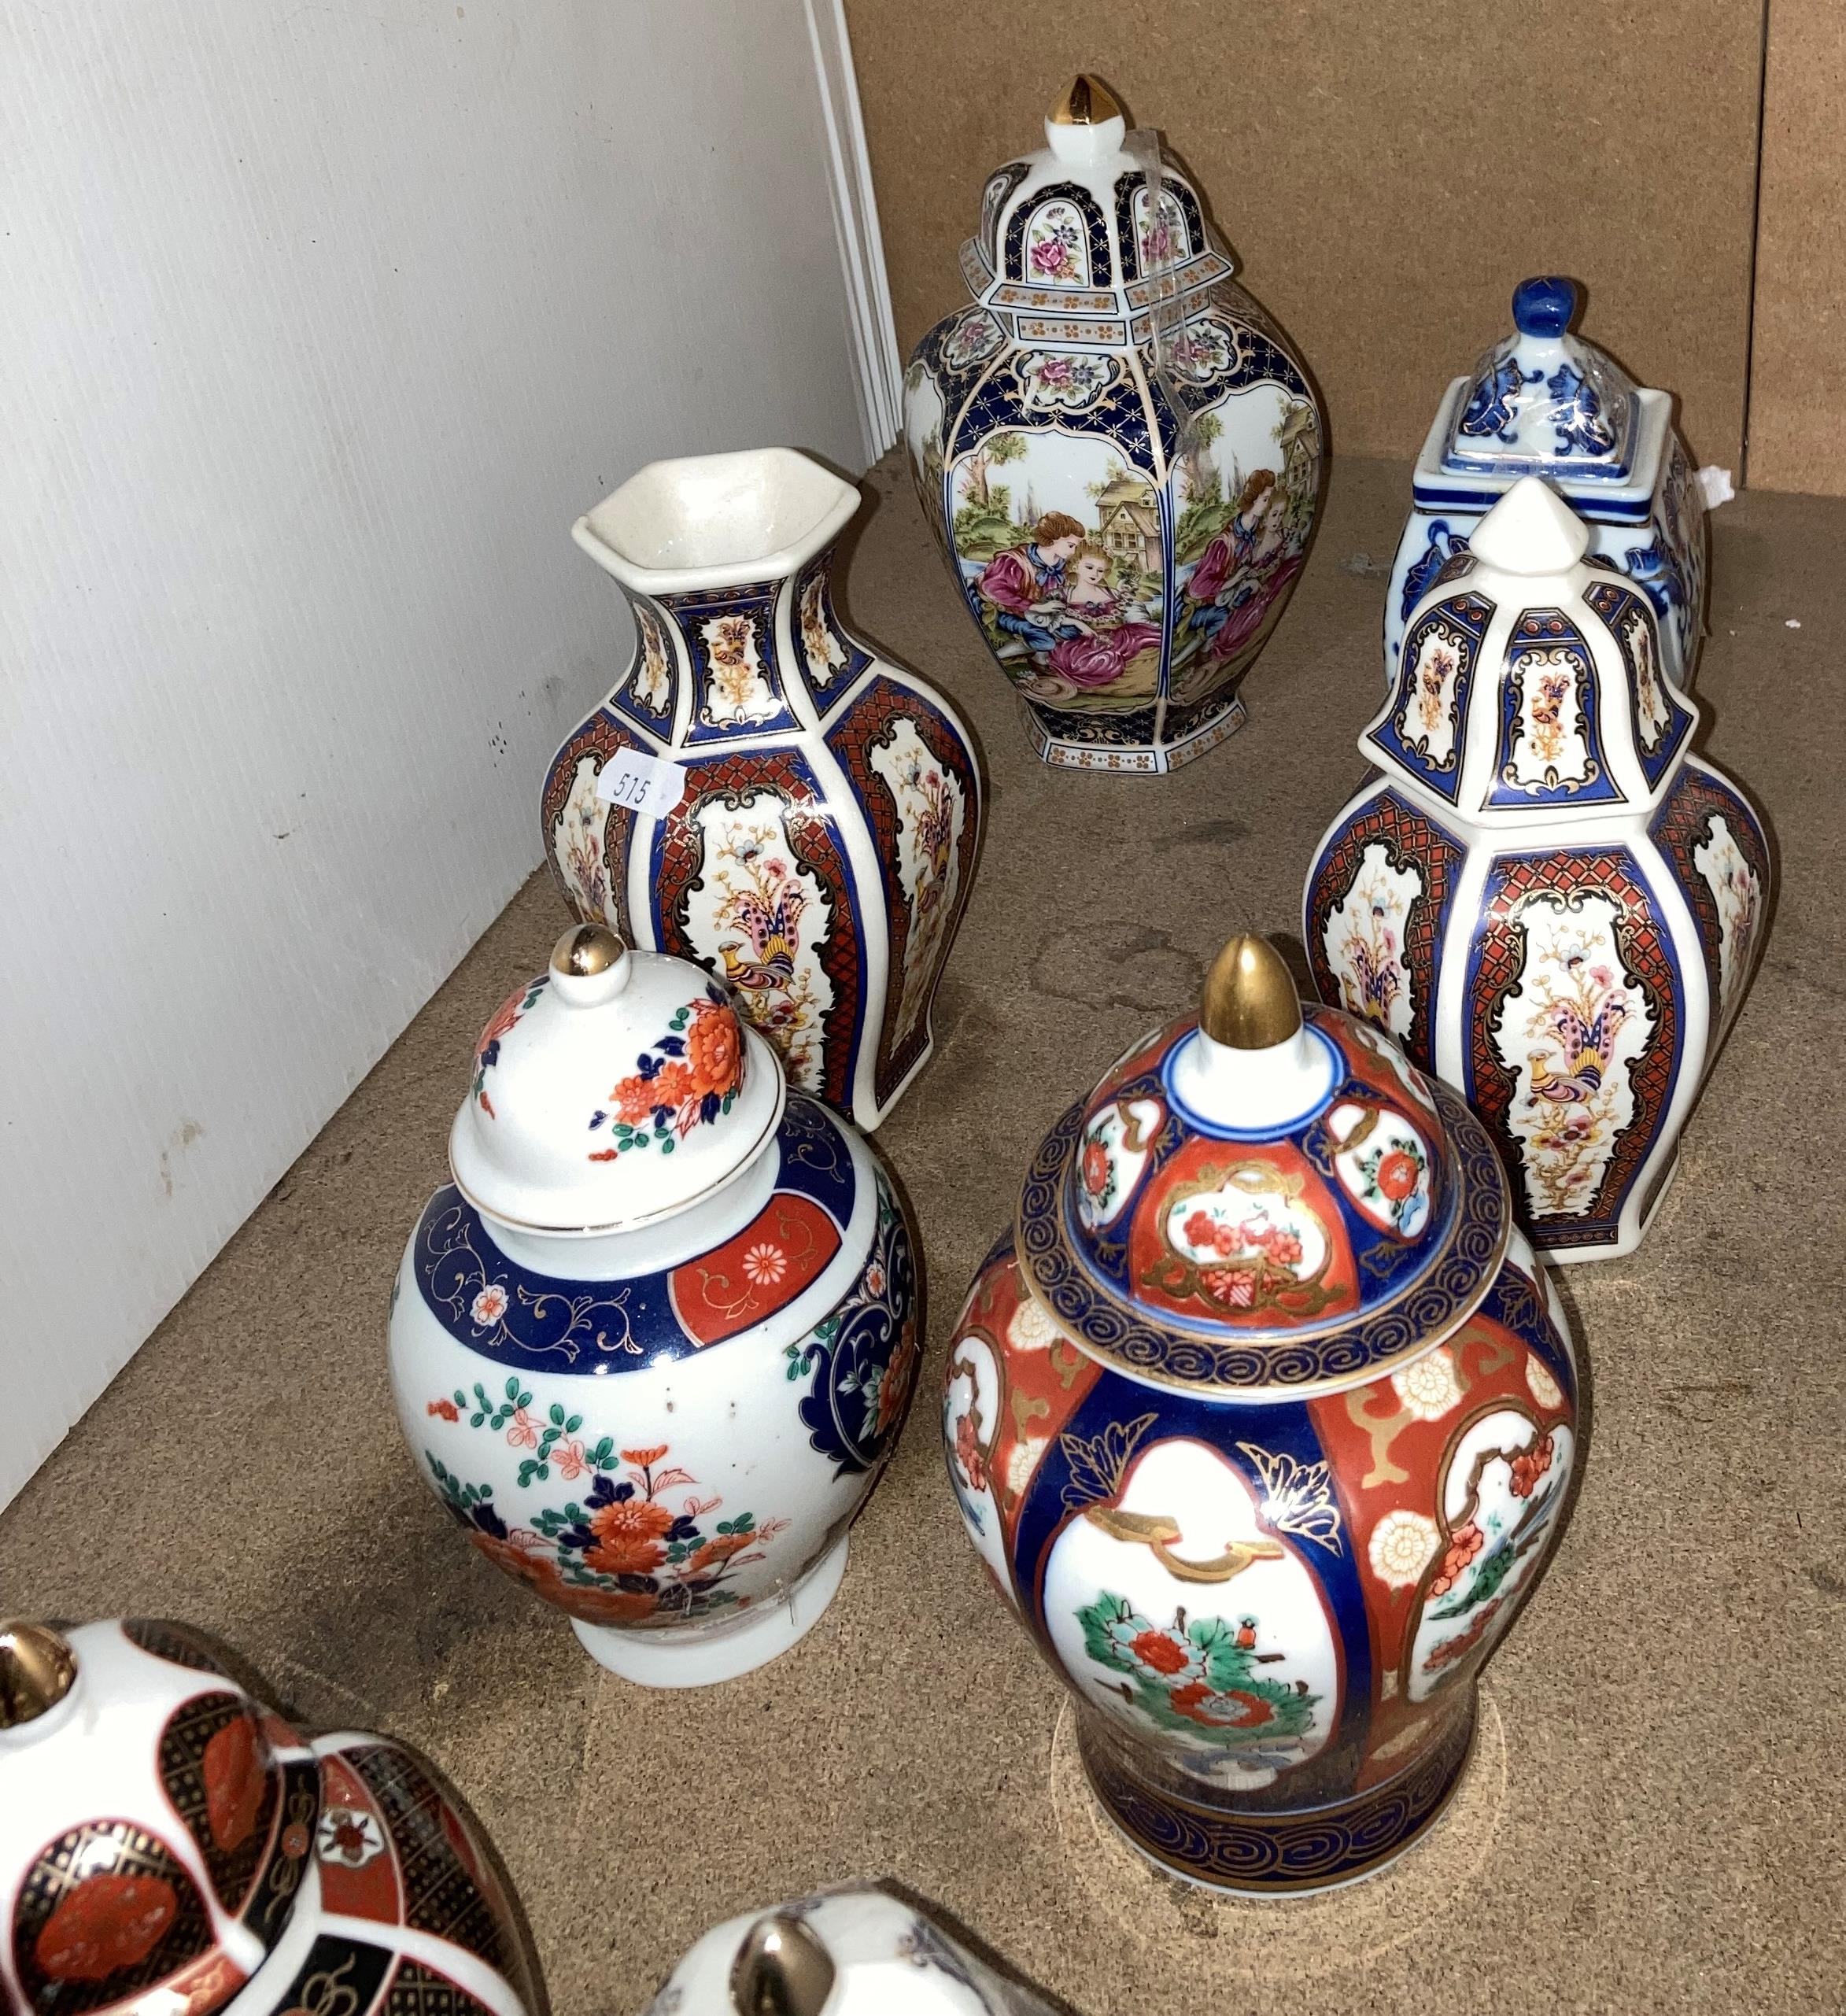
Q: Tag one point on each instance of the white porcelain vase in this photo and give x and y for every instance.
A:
(652, 1346)
(1541, 892)
(761, 790)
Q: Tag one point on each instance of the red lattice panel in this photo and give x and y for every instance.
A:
(601, 736)
(1684, 822)
(1411, 840)
(870, 723)
(809, 828)
(1494, 971)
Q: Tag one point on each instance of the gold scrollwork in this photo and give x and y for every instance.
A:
(1157, 1534)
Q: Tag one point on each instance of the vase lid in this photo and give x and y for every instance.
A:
(617, 1088)
(1543, 402)
(1531, 680)
(1268, 1199)
(156, 1824)
(1075, 229)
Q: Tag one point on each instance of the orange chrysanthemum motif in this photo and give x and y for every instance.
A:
(538, 1571)
(645, 1459)
(609, 1606)
(721, 1547)
(628, 1537)
(714, 1050)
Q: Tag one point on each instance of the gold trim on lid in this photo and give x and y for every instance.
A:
(780, 1969)
(37, 1670)
(1249, 1001)
(1088, 102)
(586, 949)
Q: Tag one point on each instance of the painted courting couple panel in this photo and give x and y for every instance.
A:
(823, 849)
(1126, 517)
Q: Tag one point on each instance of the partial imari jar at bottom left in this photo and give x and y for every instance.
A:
(170, 1846)
(1263, 1418)
(653, 1345)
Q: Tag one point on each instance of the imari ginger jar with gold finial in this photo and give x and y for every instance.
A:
(1542, 893)
(1118, 451)
(652, 1346)
(1263, 1417)
(1545, 401)
(171, 1845)
(762, 790)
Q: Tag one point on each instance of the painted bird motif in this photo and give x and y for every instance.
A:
(771, 928)
(1375, 969)
(1587, 1047)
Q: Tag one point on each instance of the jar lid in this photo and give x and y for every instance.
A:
(1269, 1197)
(613, 1090)
(1531, 677)
(1096, 223)
(155, 1825)
(1543, 402)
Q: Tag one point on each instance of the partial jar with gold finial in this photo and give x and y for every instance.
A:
(1263, 1417)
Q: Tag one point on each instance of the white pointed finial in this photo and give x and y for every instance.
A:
(1531, 531)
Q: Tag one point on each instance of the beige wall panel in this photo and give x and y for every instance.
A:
(1384, 172)
(1797, 374)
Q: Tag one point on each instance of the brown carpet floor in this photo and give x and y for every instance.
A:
(1655, 1817)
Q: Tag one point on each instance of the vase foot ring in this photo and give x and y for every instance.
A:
(1565, 1254)
(1134, 758)
(699, 1657)
(1251, 1854)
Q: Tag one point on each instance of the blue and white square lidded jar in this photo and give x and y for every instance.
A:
(1543, 402)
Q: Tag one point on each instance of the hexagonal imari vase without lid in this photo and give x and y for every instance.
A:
(1542, 894)
(1263, 1418)
(761, 790)
(171, 1846)
(1118, 451)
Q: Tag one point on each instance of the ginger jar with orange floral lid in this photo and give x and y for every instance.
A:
(171, 1845)
(652, 1346)
(1263, 1418)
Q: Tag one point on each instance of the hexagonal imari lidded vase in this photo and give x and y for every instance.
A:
(1545, 401)
(1541, 893)
(652, 1346)
(170, 1846)
(761, 790)
(1263, 1418)
(1126, 508)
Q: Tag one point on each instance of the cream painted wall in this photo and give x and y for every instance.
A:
(318, 324)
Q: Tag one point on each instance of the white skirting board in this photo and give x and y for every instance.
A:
(325, 323)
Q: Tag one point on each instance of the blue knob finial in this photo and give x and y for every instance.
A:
(1544, 306)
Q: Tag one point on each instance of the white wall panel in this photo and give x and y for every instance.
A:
(318, 324)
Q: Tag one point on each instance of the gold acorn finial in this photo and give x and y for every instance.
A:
(1249, 1001)
(1087, 102)
(37, 1670)
(780, 1969)
(586, 949)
